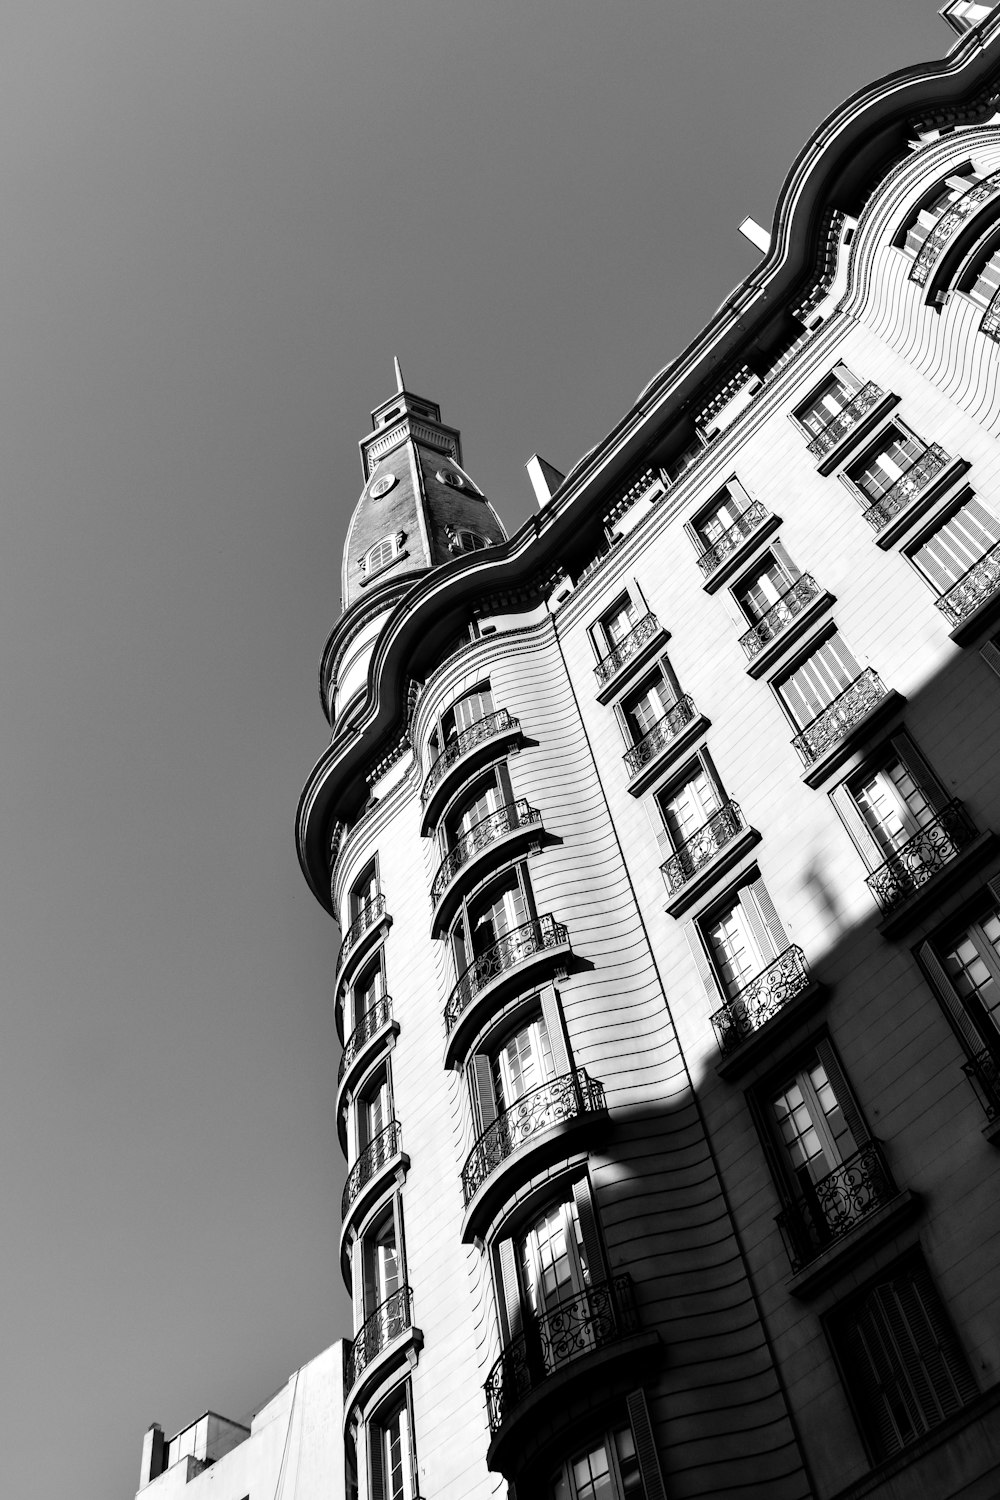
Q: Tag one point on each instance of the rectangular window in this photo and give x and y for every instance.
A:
(647, 703)
(391, 1452)
(374, 1111)
(722, 512)
(484, 797)
(902, 1363)
(958, 543)
(972, 963)
(892, 806)
(743, 937)
(367, 990)
(364, 891)
(498, 911)
(521, 1062)
(771, 578)
(837, 391)
(688, 804)
(886, 461)
(606, 1469)
(810, 1123)
(816, 682)
(616, 623)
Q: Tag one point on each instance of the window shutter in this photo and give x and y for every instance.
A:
(645, 1446)
(484, 1100)
(361, 1276)
(920, 771)
(776, 938)
(705, 971)
(994, 888)
(841, 1088)
(376, 1445)
(991, 656)
(867, 1358)
(850, 815)
(941, 980)
(554, 1030)
(781, 556)
(509, 1287)
(592, 1247)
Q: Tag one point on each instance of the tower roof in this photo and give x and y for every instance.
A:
(419, 508)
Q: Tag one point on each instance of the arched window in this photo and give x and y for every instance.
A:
(466, 541)
(382, 554)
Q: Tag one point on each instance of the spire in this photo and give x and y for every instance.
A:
(399, 376)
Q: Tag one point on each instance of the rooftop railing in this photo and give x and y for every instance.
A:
(838, 1203)
(839, 717)
(781, 614)
(515, 946)
(495, 825)
(486, 728)
(733, 537)
(665, 730)
(589, 1320)
(702, 846)
(629, 645)
(558, 1099)
(921, 857)
(847, 418)
(909, 484)
(373, 1158)
(763, 997)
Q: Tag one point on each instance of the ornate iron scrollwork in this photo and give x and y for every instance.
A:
(373, 1158)
(847, 418)
(627, 647)
(725, 545)
(840, 716)
(702, 846)
(660, 736)
(909, 484)
(976, 585)
(515, 946)
(373, 912)
(486, 728)
(837, 1204)
(781, 614)
(766, 994)
(564, 1098)
(374, 1018)
(387, 1322)
(921, 857)
(505, 820)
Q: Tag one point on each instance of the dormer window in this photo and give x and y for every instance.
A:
(383, 555)
(466, 541)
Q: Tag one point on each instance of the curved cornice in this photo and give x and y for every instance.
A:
(836, 167)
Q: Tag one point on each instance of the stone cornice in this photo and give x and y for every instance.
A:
(835, 170)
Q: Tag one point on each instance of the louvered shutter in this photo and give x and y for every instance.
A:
(755, 922)
(360, 1277)
(481, 1074)
(705, 971)
(841, 1088)
(776, 937)
(920, 771)
(589, 1232)
(964, 1024)
(506, 1263)
(990, 653)
(782, 557)
(376, 1460)
(552, 1017)
(645, 1446)
(850, 815)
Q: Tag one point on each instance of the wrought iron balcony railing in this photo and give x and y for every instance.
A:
(702, 846)
(837, 1204)
(781, 614)
(565, 1098)
(393, 1318)
(922, 856)
(609, 666)
(486, 728)
(840, 716)
(660, 736)
(848, 417)
(373, 1158)
(733, 537)
(589, 1320)
(990, 323)
(909, 484)
(506, 819)
(515, 946)
(983, 1072)
(766, 994)
(375, 1017)
(975, 586)
(371, 913)
(930, 251)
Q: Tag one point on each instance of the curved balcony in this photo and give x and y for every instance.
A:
(525, 1137)
(724, 555)
(493, 837)
(632, 650)
(701, 859)
(364, 1043)
(519, 957)
(831, 726)
(461, 755)
(584, 1340)
(847, 420)
(387, 1339)
(362, 934)
(933, 247)
(769, 994)
(670, 736)
(382, 1160)
(783, 622)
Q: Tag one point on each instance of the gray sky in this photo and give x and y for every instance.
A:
(221, 220)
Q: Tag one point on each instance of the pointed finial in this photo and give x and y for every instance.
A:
(399, 374)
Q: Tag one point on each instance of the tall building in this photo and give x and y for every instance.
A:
(662, 836)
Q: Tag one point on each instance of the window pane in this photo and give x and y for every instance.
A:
(973, 965)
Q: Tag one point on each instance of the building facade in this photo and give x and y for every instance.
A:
(662, 836)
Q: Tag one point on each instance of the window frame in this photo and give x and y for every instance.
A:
(460, 935)
(781, 560)
(398, 1400)
(369, 876)
(624, 708)
(800, 413)
(936, 523)
(879, 442)
(901, 747)
(370, 568)
(972, 1025)
(698, 763)
(511, 1299)
(733, 490)
(543, 1004)
(629, 597)
(811, 649)
(752, 899)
